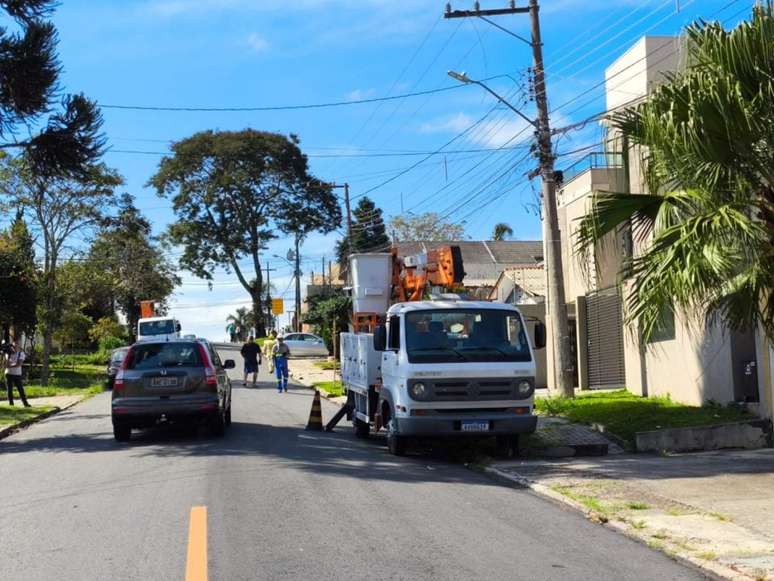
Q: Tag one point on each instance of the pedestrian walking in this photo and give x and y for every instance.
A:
(281, 352)
(251, 353)
(268, 345)
(13, 373)
(231, 329)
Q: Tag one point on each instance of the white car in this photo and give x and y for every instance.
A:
(306, 345)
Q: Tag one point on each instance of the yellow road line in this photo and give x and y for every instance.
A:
(196, 565)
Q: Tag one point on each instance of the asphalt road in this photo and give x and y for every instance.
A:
(282, 503)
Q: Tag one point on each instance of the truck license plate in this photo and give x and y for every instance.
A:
(475, 426)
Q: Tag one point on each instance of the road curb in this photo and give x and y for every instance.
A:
(12, 429)
(712, 570)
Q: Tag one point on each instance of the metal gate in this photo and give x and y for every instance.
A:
(604, 328)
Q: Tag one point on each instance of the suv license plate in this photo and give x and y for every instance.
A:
(475, 426)
(164, 382)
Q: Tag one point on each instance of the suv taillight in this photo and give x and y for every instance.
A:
(118, 382)
(210, 378)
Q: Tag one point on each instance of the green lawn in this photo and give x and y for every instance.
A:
(83, 380)
(19, 413)
(331, 387)
(624, 413)
(327, 364)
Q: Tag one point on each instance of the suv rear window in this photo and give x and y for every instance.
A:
(154, 355)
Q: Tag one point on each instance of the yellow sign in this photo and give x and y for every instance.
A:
(277, 306)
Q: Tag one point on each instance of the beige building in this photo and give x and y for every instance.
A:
(690, 363)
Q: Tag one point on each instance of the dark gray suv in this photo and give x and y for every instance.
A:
(175, 381)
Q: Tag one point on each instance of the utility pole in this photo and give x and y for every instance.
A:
(269, 315)
(557, 305)
(298, 283)
(345, 186)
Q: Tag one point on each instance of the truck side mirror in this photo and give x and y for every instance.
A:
(540, 335)
(380, 338)
(178, 327)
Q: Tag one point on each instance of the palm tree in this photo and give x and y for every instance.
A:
(502, 231)
(704, 236)
(243, 320)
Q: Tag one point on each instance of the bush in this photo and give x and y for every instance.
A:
(110, 342)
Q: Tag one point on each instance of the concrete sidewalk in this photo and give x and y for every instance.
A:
(715, 509)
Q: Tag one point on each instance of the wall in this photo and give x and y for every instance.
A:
(575, 201)
(693, 368)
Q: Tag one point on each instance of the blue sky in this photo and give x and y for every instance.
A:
(243, 53)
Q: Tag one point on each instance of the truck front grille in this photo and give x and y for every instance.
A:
(472, 389)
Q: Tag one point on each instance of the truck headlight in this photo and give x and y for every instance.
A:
(524, 388)
(418, 390)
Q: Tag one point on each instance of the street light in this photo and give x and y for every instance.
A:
(556, 312)
(463, 78)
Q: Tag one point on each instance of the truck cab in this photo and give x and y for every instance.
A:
(455, 368)
(158, 329)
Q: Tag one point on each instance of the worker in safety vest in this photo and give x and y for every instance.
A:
(281, 352)
(268, 343)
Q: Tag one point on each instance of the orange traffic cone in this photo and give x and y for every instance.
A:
(315, 415)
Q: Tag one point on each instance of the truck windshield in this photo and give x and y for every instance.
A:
(165, 327)
(461, 335)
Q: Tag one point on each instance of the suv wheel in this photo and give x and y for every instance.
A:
(218, 424)
(122, 433)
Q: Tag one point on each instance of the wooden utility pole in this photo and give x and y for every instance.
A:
(298, 283)
(557, 305)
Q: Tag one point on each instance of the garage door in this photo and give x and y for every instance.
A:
(604, 326)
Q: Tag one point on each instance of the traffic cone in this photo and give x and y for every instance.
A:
(315, 415)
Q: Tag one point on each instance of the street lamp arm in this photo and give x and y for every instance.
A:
(506, 103)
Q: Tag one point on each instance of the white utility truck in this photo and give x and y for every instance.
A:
(158, 329)
(422, 362)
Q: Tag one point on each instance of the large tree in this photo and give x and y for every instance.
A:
(425, 227)
(232, 191)
(368, 234)
(56, 138)
(133, 260)
(61, 209)
(18, 278)
(705, 232)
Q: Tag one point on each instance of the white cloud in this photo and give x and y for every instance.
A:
(257, 43)
(359, 94)
(489, 133)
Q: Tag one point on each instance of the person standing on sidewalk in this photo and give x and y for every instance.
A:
(281, 352)
(251, 353)
(13, 373)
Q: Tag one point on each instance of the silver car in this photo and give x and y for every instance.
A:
(306, 345)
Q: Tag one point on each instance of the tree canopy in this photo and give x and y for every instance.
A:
(232, 192)
(68, 140)
(425, 227)
(705, 232)
(18, 275)
(133, 259)
(502, 231)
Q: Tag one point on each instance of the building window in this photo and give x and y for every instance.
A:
(665, 328)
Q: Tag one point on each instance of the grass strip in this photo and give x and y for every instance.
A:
(10, 415)
(332, 387)
(625, 414)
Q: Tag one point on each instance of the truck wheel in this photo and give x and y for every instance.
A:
(361, 428)
(396, 443)
(122, 433)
